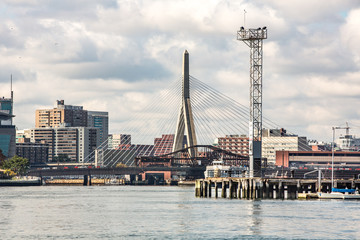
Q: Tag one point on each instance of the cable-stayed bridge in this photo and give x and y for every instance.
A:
(180, 125)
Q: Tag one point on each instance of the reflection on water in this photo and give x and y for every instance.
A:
(143, 212)
(254, 211)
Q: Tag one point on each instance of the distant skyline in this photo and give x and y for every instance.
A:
(116, 55)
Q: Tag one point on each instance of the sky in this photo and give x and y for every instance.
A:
(117, 55)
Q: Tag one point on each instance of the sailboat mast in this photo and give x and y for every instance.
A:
(332, 159)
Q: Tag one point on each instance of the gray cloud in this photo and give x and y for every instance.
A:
(75, 49)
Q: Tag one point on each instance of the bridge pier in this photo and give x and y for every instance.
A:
(87, 180)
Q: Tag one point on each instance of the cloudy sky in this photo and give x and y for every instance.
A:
(116, 55)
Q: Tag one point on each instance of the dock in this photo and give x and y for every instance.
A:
(267, 188)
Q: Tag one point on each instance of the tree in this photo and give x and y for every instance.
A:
(16, 164)
(62, 158)
(2, 157)
(121, 165)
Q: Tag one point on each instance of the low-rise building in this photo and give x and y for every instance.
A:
(348, 143)
(274, 140)
(234, 143)
(164, 144)
(318, 159)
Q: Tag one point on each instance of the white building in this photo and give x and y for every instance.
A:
(119, 141)
(348, 143)
(277, 140)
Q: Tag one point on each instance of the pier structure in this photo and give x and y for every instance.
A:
(262, 188)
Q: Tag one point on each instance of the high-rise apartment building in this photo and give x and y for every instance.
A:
(88, 141)
(76, 143)
(99, 120)
(61, 116)
(44, 136)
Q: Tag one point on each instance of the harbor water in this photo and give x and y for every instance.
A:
(166, 212)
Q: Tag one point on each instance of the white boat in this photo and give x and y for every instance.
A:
(219, 169)
(337, 193)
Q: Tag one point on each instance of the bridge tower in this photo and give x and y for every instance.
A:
(185, 123)
(253, 38)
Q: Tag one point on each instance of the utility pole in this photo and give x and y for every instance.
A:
(253, 38)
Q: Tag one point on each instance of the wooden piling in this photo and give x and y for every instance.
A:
(230, 189)
(216, 189)
(254, 189)
(280, 190)
(246, 186)
(197, 188)
(201, 188)
(238, 189)
(267, 189)
(209, 188)
(223, 189)
(205, 188)
(261, 189)
(85, 180)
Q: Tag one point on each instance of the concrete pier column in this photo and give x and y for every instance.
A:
(254, 189)
(242, 187)
(209, 188)
(85, 183)
(250, 196)
(89, 180)
(267, 188)
(245, 189)
(216, 190)
(286, 192)
(294, 192)
(223, 189)
(205, 188)
(317, 187)
(275, 191)
(280, 190)
(261, 189)
(230, 189)
(298, 188)
(239, 189)
(197, 188)
(201, 188)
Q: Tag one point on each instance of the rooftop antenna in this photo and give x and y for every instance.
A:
(11, 85)
(244, 17)
(12, 98)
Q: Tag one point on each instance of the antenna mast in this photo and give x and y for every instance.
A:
(12, 99)
(253, 38)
